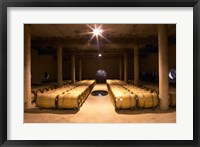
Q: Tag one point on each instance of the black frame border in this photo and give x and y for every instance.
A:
(99, 3)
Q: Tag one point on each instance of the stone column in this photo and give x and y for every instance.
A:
(73, 68)
(136, 66)
(80, 70)
(120, 69)
(27, 66)
(125, 67)
(163, 66)
(59, 65)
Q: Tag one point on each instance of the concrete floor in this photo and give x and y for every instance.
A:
(99, 110)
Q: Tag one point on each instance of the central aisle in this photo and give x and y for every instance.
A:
(99, 109)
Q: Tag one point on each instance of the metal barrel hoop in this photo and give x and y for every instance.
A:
(120, 102)
(63, 102)
(48, 102)
(144, 99)
(152, 100)
(130, 99)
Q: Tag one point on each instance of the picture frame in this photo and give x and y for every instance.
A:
(100, 3)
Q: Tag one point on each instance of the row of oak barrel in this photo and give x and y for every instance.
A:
(172, 93)
(67, 97)
(37, 90)
(154, 88)
(126, 96)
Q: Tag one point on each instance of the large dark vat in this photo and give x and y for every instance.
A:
(101, 76)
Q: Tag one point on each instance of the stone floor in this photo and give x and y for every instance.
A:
(99, 110)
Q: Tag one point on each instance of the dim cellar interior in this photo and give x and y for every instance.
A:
(100, 73)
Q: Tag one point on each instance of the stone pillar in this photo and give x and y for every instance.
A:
(120, 69)
(125, 67)
(136, 66)
(59, 65)
(27, 66)
(73, 68)
(163, 66)
(80, 70)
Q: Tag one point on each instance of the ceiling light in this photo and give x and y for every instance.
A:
(99, 55)
(97, 31)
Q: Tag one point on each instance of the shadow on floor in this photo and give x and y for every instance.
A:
(65, 111)
(144, 111)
